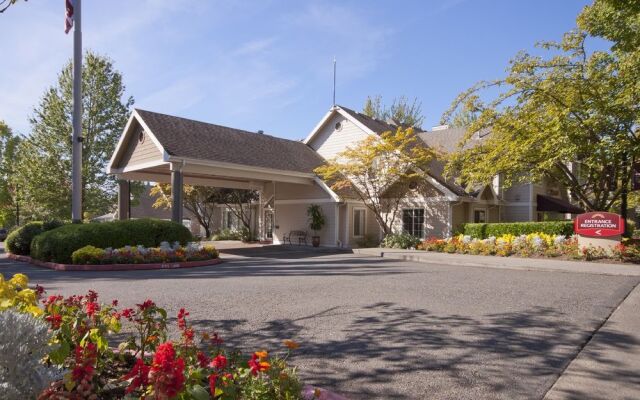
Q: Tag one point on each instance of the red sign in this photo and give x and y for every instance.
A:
(598, 224)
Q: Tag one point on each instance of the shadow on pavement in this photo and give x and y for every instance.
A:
(505, 356)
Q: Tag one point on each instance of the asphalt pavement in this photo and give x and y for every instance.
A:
(379, 328)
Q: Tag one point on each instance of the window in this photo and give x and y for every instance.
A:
(413, 222)
(230, 220)
(338, 126)
(479, 216)
(358, 222)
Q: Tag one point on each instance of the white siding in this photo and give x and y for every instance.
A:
(328, 142)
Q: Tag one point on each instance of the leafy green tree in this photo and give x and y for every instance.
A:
(238, 201)
(380, 171)
(43, 170)
(567, 117)
(461, 119)
(8, 191)
(198, 200)
(402, 111)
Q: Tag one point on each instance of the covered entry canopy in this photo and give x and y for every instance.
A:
(162, 148)
(554, 204)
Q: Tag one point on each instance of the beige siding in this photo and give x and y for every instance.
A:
(293, 191)
(139, 153)
(515, 213)
(459, 214)
(328, 142)
(294, 217)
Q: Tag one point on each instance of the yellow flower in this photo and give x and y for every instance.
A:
(20, 280)
(262, 355)
(291, 344)
(27, 296)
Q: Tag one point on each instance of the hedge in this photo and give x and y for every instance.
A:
(57, 245)
(485, 230)
(19, 241)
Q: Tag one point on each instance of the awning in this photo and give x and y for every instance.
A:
(548, 203)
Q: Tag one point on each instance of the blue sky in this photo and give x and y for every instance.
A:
(268, 64)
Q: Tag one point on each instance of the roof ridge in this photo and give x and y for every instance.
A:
(216, 125)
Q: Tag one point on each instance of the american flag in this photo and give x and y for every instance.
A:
(68, 20)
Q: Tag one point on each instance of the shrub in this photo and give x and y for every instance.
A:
(400, 241)
(59, 244)
(144, 255)
(19, 240)
(227, 234)
(368, 241)
(22, 348)
(485, 230)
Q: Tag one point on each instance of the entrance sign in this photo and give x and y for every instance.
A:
(599, 224)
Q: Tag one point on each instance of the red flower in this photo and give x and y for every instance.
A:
(146, 305)
(203, 360)
(85, 359)
(257, 365)
(182, 323)
(127, 313)
(216, 340)
(219, 362)
(212, 384)
(92, 307)
(114, 303)
(167, 371)
(140, 375)
(55, 320)
(92, 296)
(39, 290)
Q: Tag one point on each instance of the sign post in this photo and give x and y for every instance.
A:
(598, 229)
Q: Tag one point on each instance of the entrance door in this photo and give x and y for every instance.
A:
(268, 224)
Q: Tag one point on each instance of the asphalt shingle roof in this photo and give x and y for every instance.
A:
(187, 138)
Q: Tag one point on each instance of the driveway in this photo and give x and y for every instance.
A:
(374, 328)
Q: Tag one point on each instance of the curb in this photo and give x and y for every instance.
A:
(113, 267)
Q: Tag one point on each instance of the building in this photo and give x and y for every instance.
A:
(161, 148)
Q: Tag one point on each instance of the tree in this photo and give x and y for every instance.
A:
(197, 200)
(8, 192)
(239, 201)
(402, 112)
(380, 171)
(566, 117)
(461, 119)
(5, 4)
(44, 166)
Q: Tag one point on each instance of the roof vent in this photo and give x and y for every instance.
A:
(440, 128)
(261, 132)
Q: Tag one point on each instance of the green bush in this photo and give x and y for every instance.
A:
(485, 230)
(228, 234)
(19, 240)
(57, 245)
(400, 241)
(87, 255)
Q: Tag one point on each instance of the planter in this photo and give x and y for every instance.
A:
(113, 267)
(315, 241)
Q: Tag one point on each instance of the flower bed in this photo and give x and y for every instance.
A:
(166, 253)
(533, 245)
(64, 341)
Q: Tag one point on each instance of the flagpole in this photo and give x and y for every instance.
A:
(76, 165)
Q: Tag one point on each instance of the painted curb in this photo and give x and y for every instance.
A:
(114, 267)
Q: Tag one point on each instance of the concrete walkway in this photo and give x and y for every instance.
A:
(526, 264)
(608, 366)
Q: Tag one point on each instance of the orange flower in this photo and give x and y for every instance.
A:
(262, 355)
(264, 366)
(291, 344)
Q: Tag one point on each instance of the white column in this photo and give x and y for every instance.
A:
(261, 233)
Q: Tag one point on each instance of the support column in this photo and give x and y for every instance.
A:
(124, 199)
(261, 230)
(176, 192)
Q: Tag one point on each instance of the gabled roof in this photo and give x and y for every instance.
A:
(376, 125)
(189, 139)
(448, 140)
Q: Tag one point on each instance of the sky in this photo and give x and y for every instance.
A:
(268, 65)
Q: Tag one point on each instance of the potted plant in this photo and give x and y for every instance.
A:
(316, 222)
